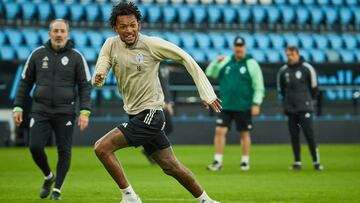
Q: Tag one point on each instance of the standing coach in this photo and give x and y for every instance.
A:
(60, 73)
(297, 84)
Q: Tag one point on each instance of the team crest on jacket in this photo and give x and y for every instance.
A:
(298, 74)
(242, 70)
(139, 60)
(65, 60)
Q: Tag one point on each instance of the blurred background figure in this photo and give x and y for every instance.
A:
(298, 87)
(241, 92)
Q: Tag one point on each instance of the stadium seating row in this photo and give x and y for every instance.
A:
(219, 2)
(189, 40)
(205, 55)
(153, 13)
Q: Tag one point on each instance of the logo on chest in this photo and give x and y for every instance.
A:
(139, 61)
(64, 60)
(242, 70)
(298, 75)
(45, 62)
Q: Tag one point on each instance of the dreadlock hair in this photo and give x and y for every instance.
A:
(124, 8)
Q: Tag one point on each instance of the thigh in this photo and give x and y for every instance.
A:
(63, 126)
(224, 119)
(112, 141)
(40, 130)
(144, 127)
(306, 120)
(243, 121)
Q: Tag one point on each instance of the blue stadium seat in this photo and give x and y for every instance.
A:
(323, 2)
(277, 41)
(44, 11)
(79, 37)
(31, 37)
(61, 10)
(96, 38)
(287, 14)
(89, 53)
(273, 14)
(332, 56)
(198, 55)
(295, 2)
(345, 15)
(321, 41)
(28, 10)
(203, 40)
(350, 41)
(272, 56)
(305, 54)
(22, 52)
(156, 34)
(279, 2)
(262, 40)
(169, 13)
(306, 40)
(105, 11)
(12, 10)
(188, 40)
(214, 14)
(302, 15)
(351, 2)
(77, 11)
(226, 52)
(154, 13)
(44, 36)
(2, 38)
(357, 55)
(108, 33)
(15, 37)
(173, 38)
(229, 38)
(347, 56)
(244, 14)
(92, 12)
(7, 53)
(291, 39)
(211, 54)
(335, 41)
(330, 14)
(308, 2)
(358, 38)
(258, 55)
(199, 14)
(258, 13)
(184, 14)
(317, 15)
(337, 2)
(249, 39)
(317, 56)
(356, 12)
(229, 14)
(218, 40)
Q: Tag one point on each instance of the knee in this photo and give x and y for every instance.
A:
(99, 149)
(171, 168)
(220, 131)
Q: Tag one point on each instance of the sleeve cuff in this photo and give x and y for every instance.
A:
(17, 109)
(85, 112)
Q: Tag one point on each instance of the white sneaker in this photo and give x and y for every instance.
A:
(138, 200)
(215, 166)
(215, 201)
(244, 166)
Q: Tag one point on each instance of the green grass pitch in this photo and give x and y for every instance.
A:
(268, 181)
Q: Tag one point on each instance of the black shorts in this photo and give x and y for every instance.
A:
(146, 129)
(243, 120)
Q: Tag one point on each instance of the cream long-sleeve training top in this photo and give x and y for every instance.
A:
(136, 71)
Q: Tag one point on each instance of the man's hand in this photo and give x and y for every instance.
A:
(169, 107)
(18, 118)
(83, 122)
(220, 58)
(216, 105)
(255, 110)
(99, 78)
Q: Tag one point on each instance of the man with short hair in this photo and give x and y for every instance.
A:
(241, 92)
(134, 59)
(60, 73)
(297, 84)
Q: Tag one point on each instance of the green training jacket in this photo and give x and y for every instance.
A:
(241, 82)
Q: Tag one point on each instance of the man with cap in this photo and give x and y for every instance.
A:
(242, 92)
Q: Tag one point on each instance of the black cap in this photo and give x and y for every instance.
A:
(239, 41)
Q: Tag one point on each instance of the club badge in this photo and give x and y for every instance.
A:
(298, 75)
(242, 70)
(65, 60)
(139, 60)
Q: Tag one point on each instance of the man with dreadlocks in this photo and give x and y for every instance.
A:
(135, 59)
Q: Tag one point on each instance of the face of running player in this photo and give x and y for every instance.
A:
(292, 56)
(128, 27)
(239, 52)
(59, 35)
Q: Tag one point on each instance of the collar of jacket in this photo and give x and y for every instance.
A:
(69, 45)
(301, 61)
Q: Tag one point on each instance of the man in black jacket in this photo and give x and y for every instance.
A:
(297, 84)
(59, 73)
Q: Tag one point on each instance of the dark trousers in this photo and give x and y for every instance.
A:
(304, 121)
(42, 126)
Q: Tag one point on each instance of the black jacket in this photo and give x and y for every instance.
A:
(58, 77)
(298, 86)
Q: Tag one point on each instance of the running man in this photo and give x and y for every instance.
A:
(134, 59)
